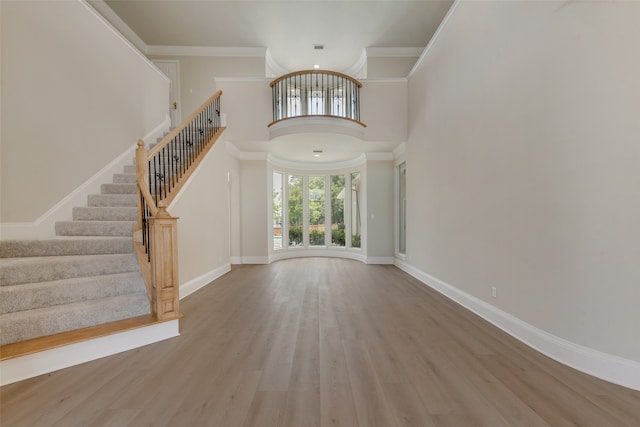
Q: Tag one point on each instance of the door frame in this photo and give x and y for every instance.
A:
(175, 114)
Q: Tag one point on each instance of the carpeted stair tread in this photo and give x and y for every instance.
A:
(94, 228)
(100, 200)
(124, 178)
(65, 246)
(30, 296)
(24, 325)
(105, 213)
(86, 276)
(15, 271)
(126, 188)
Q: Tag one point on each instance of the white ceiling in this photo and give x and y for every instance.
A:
(289, 30)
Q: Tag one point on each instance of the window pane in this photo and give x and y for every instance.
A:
(337, 102)
(277, 210)
(355, 210)
(295, 210)
(316, 102)
(294, 107)
(337, 210)
(316, 211)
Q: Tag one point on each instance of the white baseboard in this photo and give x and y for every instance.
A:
(306, 253)
(201, 281)
(605, 366)
(44, 226)
(380, 260)
(32, 365)
(254, 260)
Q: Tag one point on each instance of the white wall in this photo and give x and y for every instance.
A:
(389, 67)
(383, 108)
(254, 197)
(379, 210)
(74, 97)
(247, 105)
(198, 76)
(203, 208)
(522, 165)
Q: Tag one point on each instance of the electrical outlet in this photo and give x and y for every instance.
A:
(494, 291)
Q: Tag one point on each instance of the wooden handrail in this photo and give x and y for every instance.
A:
(175, 132)
(141, 159)
(160, 175)
(297, 73)
(318, 115)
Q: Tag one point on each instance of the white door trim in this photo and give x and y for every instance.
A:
(174, 93)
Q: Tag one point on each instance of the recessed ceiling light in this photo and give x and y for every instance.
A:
(316, 66)
(316, 153)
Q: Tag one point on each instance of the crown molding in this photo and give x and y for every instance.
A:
(378, 155)
(254, 155)
(358, 69)
(433, 40)
(394, 52)
(328, 166)
(399, 150)
(114, 20)
(247, 52)
(386, 80)
(272, 68)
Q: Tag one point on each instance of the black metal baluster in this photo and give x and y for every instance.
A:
(153, 180)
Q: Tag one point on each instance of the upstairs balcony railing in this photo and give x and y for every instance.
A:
(316, 93)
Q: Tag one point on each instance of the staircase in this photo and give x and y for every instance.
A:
(87, 275)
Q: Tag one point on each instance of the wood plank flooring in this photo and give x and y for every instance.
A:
(322, 342)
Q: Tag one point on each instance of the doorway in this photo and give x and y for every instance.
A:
(171, 69)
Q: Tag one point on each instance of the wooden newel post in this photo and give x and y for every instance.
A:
(164, 264)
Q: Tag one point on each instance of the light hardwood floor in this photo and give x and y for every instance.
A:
(322, 342)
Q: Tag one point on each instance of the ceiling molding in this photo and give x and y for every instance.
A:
(316, 124)
(378, 155)
(115, 21)
(399, 151)
(386, 80)
(100, 10)
(253, 52)
(232, 149)
(253, 155)
(325, 166)
(272, 68)
(394, 52)
(358, 69)
(433, 40)
(242, 79)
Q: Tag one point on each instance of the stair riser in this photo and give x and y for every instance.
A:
(105, 214)
(94, 228)
(32, 296)
(31, 324)
(31, 270)
(40, 248)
